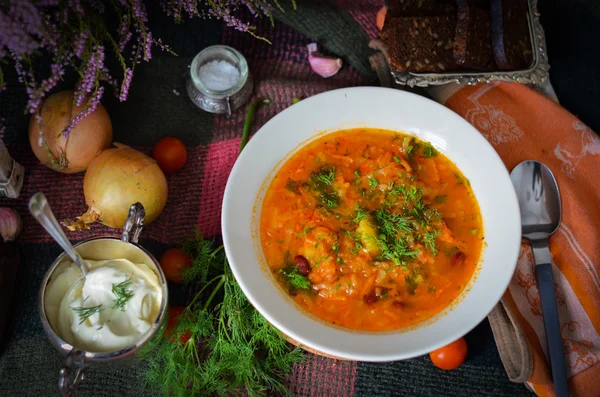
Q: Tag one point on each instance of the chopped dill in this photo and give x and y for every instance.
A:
(410, 284)
(429, 241)
(292, 186)
(321, 182)
(391, 224)
(398, 251)
(429, 150)
(86, 312)
(294, 279)
(123, 293)
(461, 180)
(359, 214)
(335, 248)
(325, 175)
(330, 199)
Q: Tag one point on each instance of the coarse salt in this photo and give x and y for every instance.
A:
(219, 75)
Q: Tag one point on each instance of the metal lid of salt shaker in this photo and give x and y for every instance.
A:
(219, 80)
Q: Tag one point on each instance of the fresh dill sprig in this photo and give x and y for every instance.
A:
(229, 348)
(294, 279)
(86, 312)
(123, 293)
(206, 259)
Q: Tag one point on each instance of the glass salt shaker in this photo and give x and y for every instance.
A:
(220, 81)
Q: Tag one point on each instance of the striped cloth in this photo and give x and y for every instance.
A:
(157, 107)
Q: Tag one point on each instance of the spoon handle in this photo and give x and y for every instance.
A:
(40, 209)
(543, 273)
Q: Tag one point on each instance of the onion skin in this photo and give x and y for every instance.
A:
(75, 152)
(118, 178)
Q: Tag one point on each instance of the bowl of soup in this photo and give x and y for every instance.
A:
(371, 224)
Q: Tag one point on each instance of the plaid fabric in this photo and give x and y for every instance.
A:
(158, 106)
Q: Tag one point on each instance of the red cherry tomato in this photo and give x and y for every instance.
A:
(170, 154)
(450, 356)
(174, 313)
(173, 261)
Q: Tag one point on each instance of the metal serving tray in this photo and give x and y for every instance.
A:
(537, 73)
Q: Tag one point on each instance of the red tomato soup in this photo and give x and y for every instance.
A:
(371, 229)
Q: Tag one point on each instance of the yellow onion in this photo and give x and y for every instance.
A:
(116, 179)
(76, 151)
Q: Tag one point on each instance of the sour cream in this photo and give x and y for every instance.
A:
(112, 309)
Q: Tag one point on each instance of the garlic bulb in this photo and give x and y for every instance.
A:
(324, 66)
(10, 224)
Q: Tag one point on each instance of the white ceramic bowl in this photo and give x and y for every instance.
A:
(376, 108)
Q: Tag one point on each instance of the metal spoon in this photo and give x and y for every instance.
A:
(40, 209)
(539, 200)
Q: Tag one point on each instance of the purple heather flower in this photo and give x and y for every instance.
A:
(125, 86)
(14, 37)
(35, 98)
(139, 10)
(25, 13)
(124, 33)
(148, 47)
(89, 108)
(94, 64)
(79, 44)
(248, 4)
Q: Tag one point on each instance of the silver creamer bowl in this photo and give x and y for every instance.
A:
(102, 248)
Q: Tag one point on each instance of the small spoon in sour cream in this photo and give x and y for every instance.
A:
(40, 209)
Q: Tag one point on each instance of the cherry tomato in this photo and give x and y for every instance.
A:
(170, 154)
(173, 261)
(450, 356)
(174, 313)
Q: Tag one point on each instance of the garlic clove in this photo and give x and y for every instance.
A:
(324, 66)
(10, 224)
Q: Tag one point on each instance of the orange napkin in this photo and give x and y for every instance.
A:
(521, 124)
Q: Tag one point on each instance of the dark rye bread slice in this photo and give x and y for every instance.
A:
(472, 44)
(420, 44)
(419, 8)
(511, 43)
